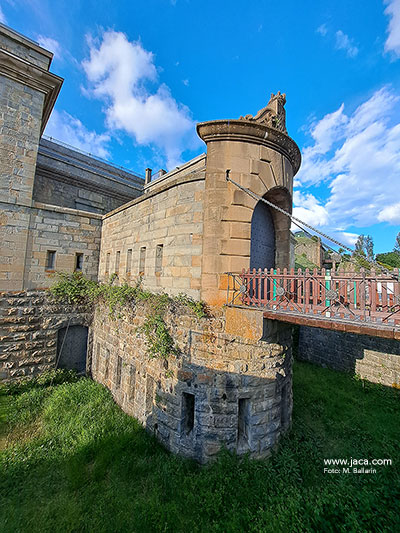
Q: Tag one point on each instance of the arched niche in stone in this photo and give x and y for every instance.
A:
(270, 231)
(262, 242)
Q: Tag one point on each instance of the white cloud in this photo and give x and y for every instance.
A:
(186, 82)
(309, 209)
(50, 44)
(117, 71)
(392, 43)
(359, 160)
(347, 238)
(322, 30)
(315, 167)
(2, 17)
(390, 214)
(343, 42)
(66, 128)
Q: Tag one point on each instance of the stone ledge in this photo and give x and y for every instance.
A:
(66, 210)
(21, 71)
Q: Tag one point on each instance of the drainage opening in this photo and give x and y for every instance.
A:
(187, 412)
(243, 422)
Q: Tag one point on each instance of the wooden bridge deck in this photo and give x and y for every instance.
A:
(354, 302)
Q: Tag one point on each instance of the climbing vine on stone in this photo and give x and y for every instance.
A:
(76, 289)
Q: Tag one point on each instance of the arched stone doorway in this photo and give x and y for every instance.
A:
(262, 245)
(72, 348)
(270, 231)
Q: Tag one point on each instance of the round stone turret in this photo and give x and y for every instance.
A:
(237, 233)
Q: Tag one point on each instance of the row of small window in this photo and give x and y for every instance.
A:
(142, 261)
(118, 375)
(188, 399)
(51, 261)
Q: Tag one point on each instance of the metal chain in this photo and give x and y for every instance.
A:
(296, 221)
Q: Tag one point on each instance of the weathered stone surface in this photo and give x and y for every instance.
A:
(372, 358)
(167, 219)
(31, 346)
(158, 396)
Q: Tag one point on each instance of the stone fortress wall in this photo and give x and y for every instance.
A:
(220, 390)
(158, 236)
(70, 178)
(49, 194)
(231, 381)
(30, 323)
(371, 358)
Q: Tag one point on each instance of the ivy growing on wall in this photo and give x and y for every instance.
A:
(75, 288)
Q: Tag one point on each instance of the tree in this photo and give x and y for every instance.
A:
(389, 258)
(396, 248)
(364, 250)
(369, 247)
(359, 247)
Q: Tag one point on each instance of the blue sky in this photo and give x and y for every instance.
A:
(139, 75)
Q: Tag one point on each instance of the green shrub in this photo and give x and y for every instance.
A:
(76, 289)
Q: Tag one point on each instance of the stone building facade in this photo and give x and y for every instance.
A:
(230, 381)
(49, 194)
(69, 178)
(312, 249)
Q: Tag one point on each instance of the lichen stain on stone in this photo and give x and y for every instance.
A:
(3, 218)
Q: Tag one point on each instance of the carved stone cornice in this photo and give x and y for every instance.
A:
(253, 132)
(21, 71)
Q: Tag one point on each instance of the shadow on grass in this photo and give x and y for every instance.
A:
(93, 468)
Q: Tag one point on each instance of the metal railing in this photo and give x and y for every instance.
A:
(356, 296)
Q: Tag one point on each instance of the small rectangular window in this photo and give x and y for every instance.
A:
(187, 412)
(97, 357)
(50, 260)
(129, 261)
(132, 383)
(78, 262)
(243, 422)
(142, 260)
(119, 371)
(106, 363)
(159, 258)
(117, 260)
(149, 394)
(108, 262)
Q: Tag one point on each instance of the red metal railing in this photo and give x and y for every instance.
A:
(363, 296)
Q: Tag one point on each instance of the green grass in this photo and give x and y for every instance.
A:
(73, 461)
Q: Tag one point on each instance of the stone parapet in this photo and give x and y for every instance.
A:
(253, 132)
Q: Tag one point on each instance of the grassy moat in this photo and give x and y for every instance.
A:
(71, 460)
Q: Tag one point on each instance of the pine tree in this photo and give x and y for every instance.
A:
(359, 246)
(397, 244)
(369, 247)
